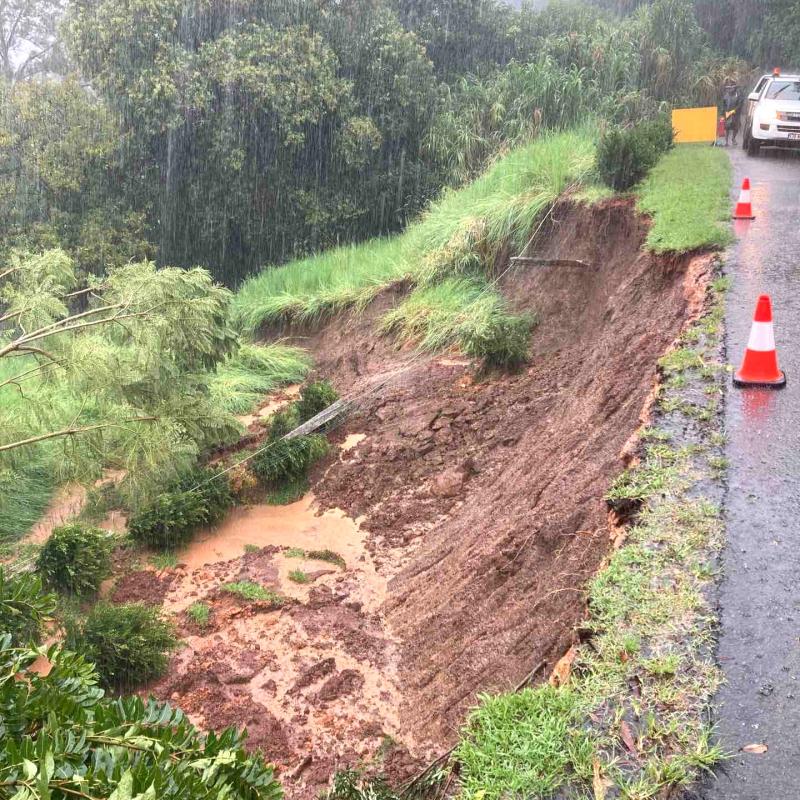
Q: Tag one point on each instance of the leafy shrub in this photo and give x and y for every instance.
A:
(24, 607)
(283, 422)
(298, 576)
(625, 156)
(50, 715)
(129, 644)
(314, 398)
(252, 592)
(170, 520)
(75, 560)
(287, 460)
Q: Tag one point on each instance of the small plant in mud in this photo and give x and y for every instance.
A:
(315, 398)
(199, 613)
(289, 493)
(295, 552)
(350, 784)
(129, 644)
(502, 344)
(252, 548)
(162, 561)
(75, 559)
(326, 555)
(298, 576)
(253, 592)
(200, 498)
(24, 607)
(287, 460)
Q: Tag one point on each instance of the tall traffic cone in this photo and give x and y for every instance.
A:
(744, 208)
(760, 364)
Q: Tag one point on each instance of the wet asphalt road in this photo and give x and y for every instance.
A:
(759, 647)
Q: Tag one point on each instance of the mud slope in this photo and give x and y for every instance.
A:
(483, 499)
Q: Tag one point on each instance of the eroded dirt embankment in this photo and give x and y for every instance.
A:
(485, 498)
(480, 518)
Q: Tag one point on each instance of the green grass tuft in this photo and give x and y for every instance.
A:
(168, 560)
(252, 592)
(255, 370)
(463, 312)
(458, 236)
(298, 576)
(687, 197)
(199, 613)
(327, 555)
(524, 745)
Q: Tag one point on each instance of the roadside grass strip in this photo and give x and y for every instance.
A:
(632, 719)
(686, 195)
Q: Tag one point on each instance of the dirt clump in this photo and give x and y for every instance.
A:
(143, 586)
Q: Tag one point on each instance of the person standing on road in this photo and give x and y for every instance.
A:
(731, 107)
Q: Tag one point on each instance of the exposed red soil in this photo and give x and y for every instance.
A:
(489, 493)
(482, 499)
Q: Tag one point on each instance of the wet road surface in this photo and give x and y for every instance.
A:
(759, 647)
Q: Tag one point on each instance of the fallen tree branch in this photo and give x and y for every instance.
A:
(72, 431)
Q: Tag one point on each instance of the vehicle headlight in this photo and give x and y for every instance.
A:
(780, 115)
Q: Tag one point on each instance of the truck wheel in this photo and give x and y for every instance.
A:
(753, 146)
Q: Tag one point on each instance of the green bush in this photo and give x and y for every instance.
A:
(283, 422)
(169, 521)
(625, 156)
(24, 607)
(287, 460)
(314, 398)
(128, 644)
(78, 743)
(75, 560)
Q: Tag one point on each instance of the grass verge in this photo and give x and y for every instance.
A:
(631, 721)
(686, 195)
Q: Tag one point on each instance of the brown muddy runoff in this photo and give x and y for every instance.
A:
(468, 510)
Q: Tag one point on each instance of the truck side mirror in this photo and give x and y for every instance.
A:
(753, 96)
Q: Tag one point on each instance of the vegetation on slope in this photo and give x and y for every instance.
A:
(448, 255)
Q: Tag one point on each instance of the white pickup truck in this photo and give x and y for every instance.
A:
(772, 114)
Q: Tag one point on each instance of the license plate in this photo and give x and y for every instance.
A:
(794, 135)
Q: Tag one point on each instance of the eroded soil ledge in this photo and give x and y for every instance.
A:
(480, 515)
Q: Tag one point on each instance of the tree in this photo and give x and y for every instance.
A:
(29, 43)
(61, 738)
(271, 130)
(60, 177)
(119, 383)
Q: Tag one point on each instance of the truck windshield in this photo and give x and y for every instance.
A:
(784, 90)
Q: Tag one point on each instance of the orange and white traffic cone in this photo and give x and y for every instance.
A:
(744, 208)
(760, 364)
